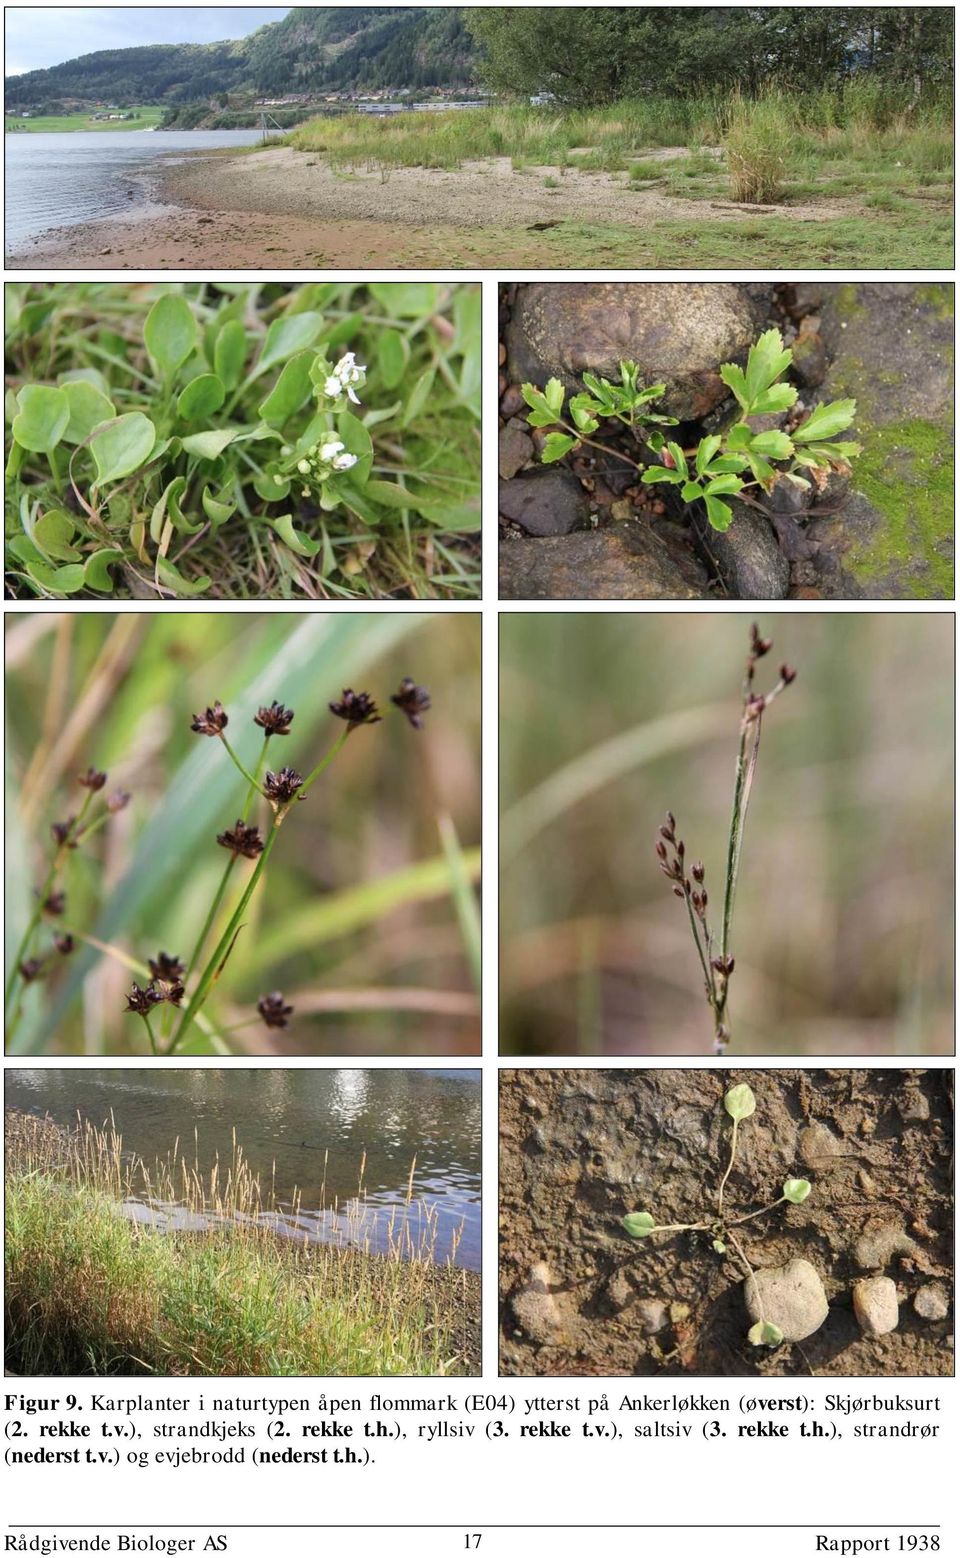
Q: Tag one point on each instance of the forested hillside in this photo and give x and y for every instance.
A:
(313, 48)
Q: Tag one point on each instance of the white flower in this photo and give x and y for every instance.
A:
(344, 462)
(350, 372)
(332, 386)
(303, 466)
(331, 450)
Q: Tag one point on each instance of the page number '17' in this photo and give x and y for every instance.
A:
(471, 1540)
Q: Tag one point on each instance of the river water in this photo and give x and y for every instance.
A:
(57, 180)
(315, 1125)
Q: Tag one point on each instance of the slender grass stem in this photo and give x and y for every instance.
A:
(743, 782)
(253, 790)
(324, 762)
(735, 1223)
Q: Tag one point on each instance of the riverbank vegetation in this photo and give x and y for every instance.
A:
(145, 117)
(130, 830)
(90, 1289)
(155, 433)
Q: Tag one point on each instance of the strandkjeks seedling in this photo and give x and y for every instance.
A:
(739, 1103)
(722, 464)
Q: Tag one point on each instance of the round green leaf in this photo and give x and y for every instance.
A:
(295, 539)
(53, 533)
(764, 1334)
(59, 581)
(215, 509)
(202, 397)
(230, 353)
(796, 1190)
(638, 1224)
(120, 446)
(739, 1102)
(42, 418)
(286, 336)
(96, 568)
(393, 354)
(170, 333)
(88, 408)
(209, 446)
(290, 392)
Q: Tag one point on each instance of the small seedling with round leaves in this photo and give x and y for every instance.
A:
(740, 1104)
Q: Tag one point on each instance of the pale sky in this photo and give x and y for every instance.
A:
(47, 35)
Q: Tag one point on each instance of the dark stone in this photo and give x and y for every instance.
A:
(545, 503)
(747, 556)
(678, 332)
(625, 562)
(512, 401)
(809, 367)
(515, 449)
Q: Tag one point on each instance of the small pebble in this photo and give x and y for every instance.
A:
(875, 1305)
(817, 1146)
(791, 1297)
(931, 1302)
(534, 1306)
(652, 1314)
(913, 1108)
(618, 1292)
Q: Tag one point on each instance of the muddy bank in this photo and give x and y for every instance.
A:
(579, 1149)
(222, 210)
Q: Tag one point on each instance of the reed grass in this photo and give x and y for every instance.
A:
(210, 1285)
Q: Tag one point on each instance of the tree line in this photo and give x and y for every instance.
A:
(587, 55)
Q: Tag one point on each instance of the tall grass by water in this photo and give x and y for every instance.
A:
(766, 142)
(114, 1266)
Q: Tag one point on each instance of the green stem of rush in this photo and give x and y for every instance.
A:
(43, 895)
(153, 1042)
(253, 790)
(324, 762)
(223, 945)
(253, 783)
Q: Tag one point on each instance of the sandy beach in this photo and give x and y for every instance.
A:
(289, 209)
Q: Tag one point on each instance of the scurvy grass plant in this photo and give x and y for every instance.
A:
(739, 1103)
(716, 959)
(241, 441)
(722, 464)
(180, 989)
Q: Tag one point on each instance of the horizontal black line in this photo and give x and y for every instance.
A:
(462, 1525)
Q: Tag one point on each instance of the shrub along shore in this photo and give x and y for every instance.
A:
(91, 1290)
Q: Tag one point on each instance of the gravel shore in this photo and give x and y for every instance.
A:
(222, 210)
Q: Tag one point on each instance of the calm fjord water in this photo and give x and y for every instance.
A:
(292, 1117)
(57, 180)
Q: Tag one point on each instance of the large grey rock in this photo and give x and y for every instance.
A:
(545, 503)
(748, 556)
(790, 1296)
(626, 562)
(679, 333)
(891, 346)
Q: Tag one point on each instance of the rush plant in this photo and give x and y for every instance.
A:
(739, 1103)
(170, 993)
(689, 881)
(720, 465)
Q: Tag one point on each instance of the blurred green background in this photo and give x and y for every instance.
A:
(843, 930)
(358, 923)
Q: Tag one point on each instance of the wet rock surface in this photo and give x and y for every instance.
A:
(679, 333)
(622, 562)
(790, 1296)
(631, 1139)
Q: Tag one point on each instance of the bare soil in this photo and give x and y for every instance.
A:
(579, 1148)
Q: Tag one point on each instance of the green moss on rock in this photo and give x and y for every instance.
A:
(906, 471)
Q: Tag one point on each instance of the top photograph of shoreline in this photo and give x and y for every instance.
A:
(411, 137)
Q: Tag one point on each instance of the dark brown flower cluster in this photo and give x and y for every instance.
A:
(242, 840)
(413, 701)
(166, 984)
(281, 787)
(275, 720)
(211, 722)
(755, 703)
(357, 708)
(274, 1010)
(93, 779)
